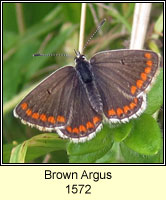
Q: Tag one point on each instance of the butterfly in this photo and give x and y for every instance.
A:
(73, 101)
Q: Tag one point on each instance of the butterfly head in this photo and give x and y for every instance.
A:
(79, 57)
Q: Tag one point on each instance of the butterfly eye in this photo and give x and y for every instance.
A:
(82, 57)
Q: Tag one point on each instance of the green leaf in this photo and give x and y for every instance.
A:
(131, 156)
(37, 146)
(159, 24)
(122, 131)
(43, 144)
(18, 153)
(7, 148)
(158, 29)
(145, 137)
(111, 156)
(155, 95)
(91, 151)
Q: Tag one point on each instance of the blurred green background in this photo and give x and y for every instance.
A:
(30, 28)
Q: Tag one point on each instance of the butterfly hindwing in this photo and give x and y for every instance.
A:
(84, 121)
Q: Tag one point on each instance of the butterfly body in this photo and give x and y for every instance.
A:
(87, 79)
(73, 100)
(84, 70)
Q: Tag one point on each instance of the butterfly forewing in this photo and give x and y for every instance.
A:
(48, 105)
(129, 70)
(122, 78)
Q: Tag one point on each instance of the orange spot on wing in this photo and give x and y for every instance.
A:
(51, 119)
(96, 119)
(24, 106)
(133, 89)
(139, 83)
(35, 115)
(119, 111)
(143, 76)
(111, 112)
(82, 128)
(132, 105)
(60, 118)
(126, 109)
(149, 63)
(135, 100)
(148, 55)
(29, 112)
(75, 130)
(89, 125)
(147, 70)
(43, 117)
(69, 129)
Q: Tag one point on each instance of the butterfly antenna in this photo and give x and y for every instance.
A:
(50, 54)
(98, 28)
(77, 53)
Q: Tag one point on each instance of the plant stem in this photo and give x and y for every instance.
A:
(82, 27)
(140, 24)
